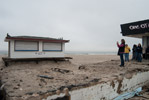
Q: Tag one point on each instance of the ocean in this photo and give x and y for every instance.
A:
(90, 53)
(3, 52)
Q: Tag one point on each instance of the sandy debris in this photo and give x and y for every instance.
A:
(22, 79)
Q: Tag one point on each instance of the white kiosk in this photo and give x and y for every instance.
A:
(33, 48)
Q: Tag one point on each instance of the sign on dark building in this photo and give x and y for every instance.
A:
(135, 28)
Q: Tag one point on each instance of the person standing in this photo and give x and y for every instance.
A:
(121, 51)
(147, 53)
(134, 52)
(147, 49)
(127, 50)
(139, 51)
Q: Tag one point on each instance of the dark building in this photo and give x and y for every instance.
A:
(139, 29)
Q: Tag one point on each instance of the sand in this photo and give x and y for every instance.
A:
(22, 79)
(89, 59)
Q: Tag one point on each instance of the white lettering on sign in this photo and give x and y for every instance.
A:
(40, 53)
(142, 26)
(134, 27)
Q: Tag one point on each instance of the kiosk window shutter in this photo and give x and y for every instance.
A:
(52, 46)
(26, 46)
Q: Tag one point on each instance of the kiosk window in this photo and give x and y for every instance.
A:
(52, 46)
(26, 46)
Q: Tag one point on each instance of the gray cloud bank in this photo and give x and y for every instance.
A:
(90, 25)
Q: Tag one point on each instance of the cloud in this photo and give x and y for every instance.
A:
(91, 25)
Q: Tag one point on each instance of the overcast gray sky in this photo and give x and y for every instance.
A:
(90, 25)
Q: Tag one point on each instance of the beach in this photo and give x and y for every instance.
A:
(89, 59)
(23, 80)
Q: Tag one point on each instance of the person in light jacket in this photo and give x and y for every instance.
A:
(127, 50)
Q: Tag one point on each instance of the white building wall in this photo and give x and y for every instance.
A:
(40, 45)
(35, 54)
(105, 91)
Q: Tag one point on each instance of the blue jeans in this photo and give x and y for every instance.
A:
(122, 59)
(126, 56)
(140, 57)
(136, 54)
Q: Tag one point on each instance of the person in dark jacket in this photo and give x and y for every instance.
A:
(139, 53)
(147, 49)
(134, 52)
(121, 51)
(147, 53)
